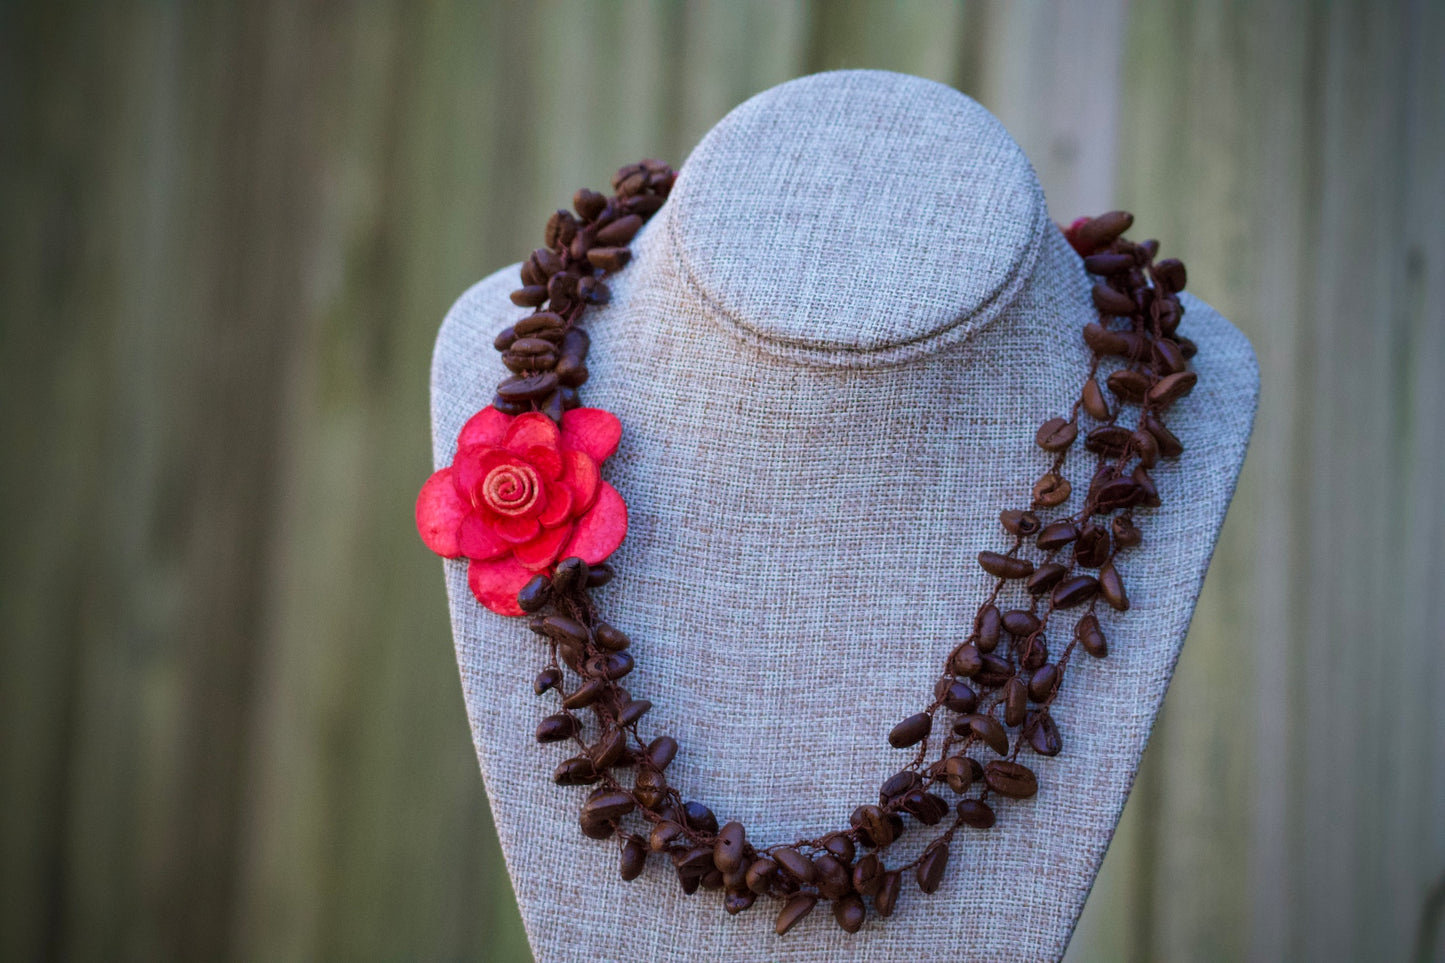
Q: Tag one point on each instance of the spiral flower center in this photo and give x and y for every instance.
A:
(511, 489)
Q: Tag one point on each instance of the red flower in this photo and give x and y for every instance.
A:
(519, 495)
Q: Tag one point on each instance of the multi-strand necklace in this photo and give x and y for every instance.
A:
(524, 501)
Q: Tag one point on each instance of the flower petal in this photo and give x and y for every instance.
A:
(472, 465)
(547, 461)
(531, 428)
(496, 583)
(516, 528)
(542, 550)
(440, 510)
(486, 427)
(593, 430)
(478, 538)
(579, 473)
(559, 505)
(601, 530)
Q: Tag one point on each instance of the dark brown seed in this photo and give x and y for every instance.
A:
(530, 296)
(1170, 273)
(577, 771)
(796, 908)
(611, 665)
(1171, 388)
(1189, 348)
(595, 827)
(874, 823)
(1109, 440)
(886, 898)
(738, 900)
(1103, 230)
(504, 340)
(620, 231)
(609, 258)
(1005, 566)
(1017, 522)
(699, 818)
(911, 730)
(1104, 342)
(1169, 445)
(1129, 385)
(990, 731)
(696, 860)
(795, 864)
(988, 626)
(1011, 779)
(561, 288)
(585, 694)
(958, 772)
(1126, 533)
(1035, 652)
(575, 344)
(610, 804)
(1051, 490)
(1091, 637)
(958, 696)
(633, 711)
(1015, 701)
(1148, 493)
(1168, 359)
(967, 660)
(660, 752)
(1057, 535)
(1074, 591)
(1109, 301)
(975, 813)
(1108, 263)
(599, 575)
(760, 874)
(926, 807)
(534, 326)
(634, 858)
(932, 865)
(995, 672)
(556, 728)
(643, 204)
(1043, 733)
(588, 203)
(1056, 434)
(1147, 446)
(650, 788)
(689, 882)
(840, 846)
(1111, 587)
(561, 228)
(610, 749)
(1115, 493)
(568, 575)
(867, 874)
(571, 373)
(727, 854)
(610, 638)
(898, 784)
(850, 913)
(546, 679)
(1021, 622)
(663, 834)
(1092, 548)
(528, 389)
(834, 879)
(1094, 402)
(1043, 682)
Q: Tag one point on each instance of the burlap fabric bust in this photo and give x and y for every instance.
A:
(829, 356)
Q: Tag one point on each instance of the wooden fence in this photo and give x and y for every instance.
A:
(230, 725)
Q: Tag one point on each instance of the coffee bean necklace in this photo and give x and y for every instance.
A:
(524, 502)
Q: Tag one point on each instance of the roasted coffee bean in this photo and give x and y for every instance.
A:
(1043, 682)
(663, 834)
(1019, 523)
(573, 655)
(1092, 548)
(588, 203)
(989, 730)
(795, 909)
(561, 288)
(568, 575)
(697, 860)
(1051, 490)
(975, 813)
(932, 865)
(577, 771)
(1167, 357)
(633, 711)
(1091, 637)
(660, 752)
(1034, 652)
(688, 881)
(609, 750)
(898, 784)
(610, 804)
(1015, 701)
(1056, 535)
(535, 326)
(530, 296)
(1171, 388)
(1148, 493)
(849, 913)
(575, 344)
(886, 898)
(556, 728)
(995, 672)
(1126, 534)
(650, 788)
(561, 228)
(925, 806)
(599, 575)
(534, 594)
(1056, 434)
(699, 817)
(738, 900)
(1043, 734)
(1093, 401)
(967, 660)
(1011, 779)
(834, 879)
(958, 773)
(1021, 622)
(1105, 342)
(958, 696)
(795, 864)
(1101, 231)
(988, 626)
(1128, 385)
(546, 679)
(867, 874)
(510, 407)
(572, 374)
(1147, 447)
(1110, 440)
(643, 204)
(620, 231)
(1108, 263)
(609, 258)
(1005, 566)
(1115, 493)
(1109, 301)
(910, 731)
(1170, 273)
(761, 873)
(1075, 590)
(610, 638)
(634, 858)
(727, 854)
(585, 694)
(611, 665)
(1111, 587)
(531, 388)
(1188, 347)
(595, 827)
(1045, 577)
(504, 339)
(1169, 445)
(841, 846)
(874, 824)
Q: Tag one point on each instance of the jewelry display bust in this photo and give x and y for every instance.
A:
(830, 355)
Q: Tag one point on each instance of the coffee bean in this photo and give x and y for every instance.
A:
(850, 913)
(1169, 445)
(1126, 534)
(1051, 490)
(1056, 434)
(1111, 587)
(609, 750)
(1056, 535)
(650, 788)
(958, 773)
(1021, 622)
(967, 660)
(588, 203)
(874, 824)
(1170, 273)
(556, 728)
(1171, 388)
(1167, 358)
(1129, 385)
(595, 827)
(1043, 734)
(795, 864)
(518, 388)
(988, 625)
(1043, 682)
(546, 679)
(958, 696)
(610, 804)
(841, 846)
(867, 874)
(1092, 548)
(663, 834)
(660, 752)
(529, 296)
(975, 813)
(1019, 523)
(1109, 301)
(1093, 401)
(534, 594)
(1045, 577)
(505, 338)
(1035, 652)
(834, 879)
(1148, 493)
(886, 899)
(634, 858)
(910, 730)
(599, 575)
(761, 873)
(610, 638)
(932, 866)
(577, 771)
(1075, 590)
(1108, 263)
(1109, 440)
(697, 860)
(995, 672)
(585, 694)
(611, 665)
(1091, 637)
(1147, 446)
(620, 231)
(633, 711)
(794, 910)
(1005, 566)
(728, 850)
(1015, 701)
(609, 258)
(699, 817)
(1105, 342)
(926, 807)
(898, 784)
(1101, 231)
(738, 900)
(1010, 779)
(988, 729)
(568, 575)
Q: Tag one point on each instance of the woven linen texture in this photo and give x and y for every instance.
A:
(801, 559)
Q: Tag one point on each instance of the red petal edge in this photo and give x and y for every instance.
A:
(439, 514)
(531, 428)
(496, 584)
(486, 427)
(601, 530)
(593, 430)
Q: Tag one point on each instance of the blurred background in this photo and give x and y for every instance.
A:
(230, 719)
